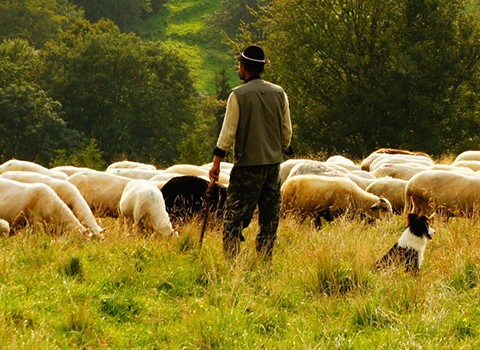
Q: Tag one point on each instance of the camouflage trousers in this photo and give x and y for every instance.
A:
(249, 187)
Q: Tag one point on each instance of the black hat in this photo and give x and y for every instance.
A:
(253, 54)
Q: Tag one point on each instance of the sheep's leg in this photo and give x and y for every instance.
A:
(326, 213)
(318, 221)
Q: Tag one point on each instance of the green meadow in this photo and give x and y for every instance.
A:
(131, 291)
(181, 26)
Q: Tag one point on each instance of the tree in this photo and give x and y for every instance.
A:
(88, 155)
(30, 123)
(367, 74)
(36, 20)
(30, 120)
(157, 5)
(125, 13)
(232, 17)
(132, 96)
(197, 146)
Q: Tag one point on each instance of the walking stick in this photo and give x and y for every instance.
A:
(208, 196)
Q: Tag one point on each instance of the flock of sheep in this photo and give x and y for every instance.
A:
(388, 181)
(68, 197)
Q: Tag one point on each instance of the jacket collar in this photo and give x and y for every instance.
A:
(253, 77)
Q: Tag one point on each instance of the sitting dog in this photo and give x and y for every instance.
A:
(409, 249)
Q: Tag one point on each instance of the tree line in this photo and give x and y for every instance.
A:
(365, 74)
(78, 85)
(370, 74)
(84, 89)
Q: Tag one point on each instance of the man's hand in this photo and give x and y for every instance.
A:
(214, 172)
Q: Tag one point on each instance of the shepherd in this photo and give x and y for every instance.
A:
(257, 124)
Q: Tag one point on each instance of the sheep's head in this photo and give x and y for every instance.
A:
(4, 228)
(382, 208)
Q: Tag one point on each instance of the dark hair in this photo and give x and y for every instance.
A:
(254, 68)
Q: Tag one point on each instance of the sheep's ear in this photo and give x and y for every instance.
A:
(374, 207)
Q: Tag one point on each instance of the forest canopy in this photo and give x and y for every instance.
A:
(79, 77)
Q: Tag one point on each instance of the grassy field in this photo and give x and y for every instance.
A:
(180, 26)
(136, 292)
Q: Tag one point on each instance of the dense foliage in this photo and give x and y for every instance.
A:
(36, 20)
(369, 74)
(232, 18)
(91, 82)
(30, 120)
(130, 95)
(125, 13)
(359, 74)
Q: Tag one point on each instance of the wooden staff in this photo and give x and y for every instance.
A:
(208, 197)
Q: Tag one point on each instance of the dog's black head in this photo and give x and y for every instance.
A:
(419, 225)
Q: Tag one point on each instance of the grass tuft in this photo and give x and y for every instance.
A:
(466, 277)
(74, 268)
(370, 314)
(121, 308)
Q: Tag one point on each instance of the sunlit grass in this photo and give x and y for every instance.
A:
(181, 26)
(131, 291)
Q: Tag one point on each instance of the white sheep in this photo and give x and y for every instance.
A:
(342, 161)
(446, 192)
(134, 173)
(286, 167)
(69, 170)
(163, 176)
(314, 167)
(361, 181)
(392, 189)
(4, 228)
(21, 201)
(399, 159)
(67, 192)
(23, 165)
(471, 164)
(364, 174)
(450, 167)
(318, 196)
(131, 164)
(101, 190)
(325, 169)
(398, 171)
(365, 164)
(468, 155)
(143, 202)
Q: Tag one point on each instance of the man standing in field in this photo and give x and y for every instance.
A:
(257, 123)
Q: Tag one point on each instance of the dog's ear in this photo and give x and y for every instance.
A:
(418, 224)
(411, 217)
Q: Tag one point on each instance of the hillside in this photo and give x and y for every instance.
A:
(180, 26)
